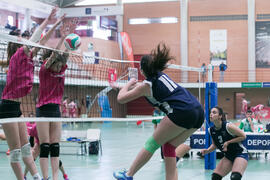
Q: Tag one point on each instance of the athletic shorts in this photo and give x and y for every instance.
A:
(188, 119)
(241, 155)
(9, 109)
(48, 110)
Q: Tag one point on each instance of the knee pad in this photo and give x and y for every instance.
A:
(236, 176)
(60, 163)
(44, 150)
(151, 145)
(15, 155)
(32, 141)
(55, 149)
(26, 150)
(168, 150)
(216, 176)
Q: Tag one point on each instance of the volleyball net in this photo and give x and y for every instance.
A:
(87, 92)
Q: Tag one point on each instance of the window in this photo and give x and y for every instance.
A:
(10, 20)
(161, 20)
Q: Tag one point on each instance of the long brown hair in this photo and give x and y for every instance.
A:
(156, 61)
(221, 113)
(12, 47)
(60, 57)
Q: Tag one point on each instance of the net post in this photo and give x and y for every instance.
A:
(211, 95)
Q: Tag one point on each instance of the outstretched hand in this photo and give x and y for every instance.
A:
(68, 27)
(51, 17)
(59, 20)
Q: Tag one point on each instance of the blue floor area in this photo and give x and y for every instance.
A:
(121, 142)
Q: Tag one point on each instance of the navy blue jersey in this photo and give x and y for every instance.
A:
(222, 135)
(168, 95)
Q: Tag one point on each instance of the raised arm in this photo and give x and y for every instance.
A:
(65, 30)
(36, 35)
(47, 36)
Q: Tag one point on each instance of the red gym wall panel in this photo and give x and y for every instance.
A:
(139, 107)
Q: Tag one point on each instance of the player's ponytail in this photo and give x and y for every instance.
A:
(156, 61)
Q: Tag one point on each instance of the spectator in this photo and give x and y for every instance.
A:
(247, 123)
(222, 69)
(65, 108)
(72, 106)
(258, 112)
(244, 106)
(204, 72)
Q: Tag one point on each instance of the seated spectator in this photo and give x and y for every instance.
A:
(247, 123)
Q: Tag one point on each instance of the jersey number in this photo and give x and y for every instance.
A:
(220, 140)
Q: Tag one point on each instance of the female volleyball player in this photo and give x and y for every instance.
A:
(184, 114)
(227, 138)
(258, 111)
(52, 75)
(65, 110)
(72, 106)
(19, 83)
(32, 132)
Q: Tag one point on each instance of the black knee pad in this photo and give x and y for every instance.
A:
(32, 141)
(55, 149)
(216, 176)
(44, 150)
(60, 163)
(236, 176)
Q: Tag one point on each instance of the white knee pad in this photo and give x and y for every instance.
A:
(26, 150)
(15, 155)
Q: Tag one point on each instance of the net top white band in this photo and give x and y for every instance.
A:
(15, 39)
(93, 119)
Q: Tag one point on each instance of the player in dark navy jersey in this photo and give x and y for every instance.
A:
(227, 138)
(184, 114)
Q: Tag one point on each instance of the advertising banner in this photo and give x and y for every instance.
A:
(254, 141)
(262, 44)
(127, 46)
(218, 46)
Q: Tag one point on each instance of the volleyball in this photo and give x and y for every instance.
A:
(72, 42)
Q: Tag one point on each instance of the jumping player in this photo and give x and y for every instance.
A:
(34, 141)
(184, 114)
(51, 74)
